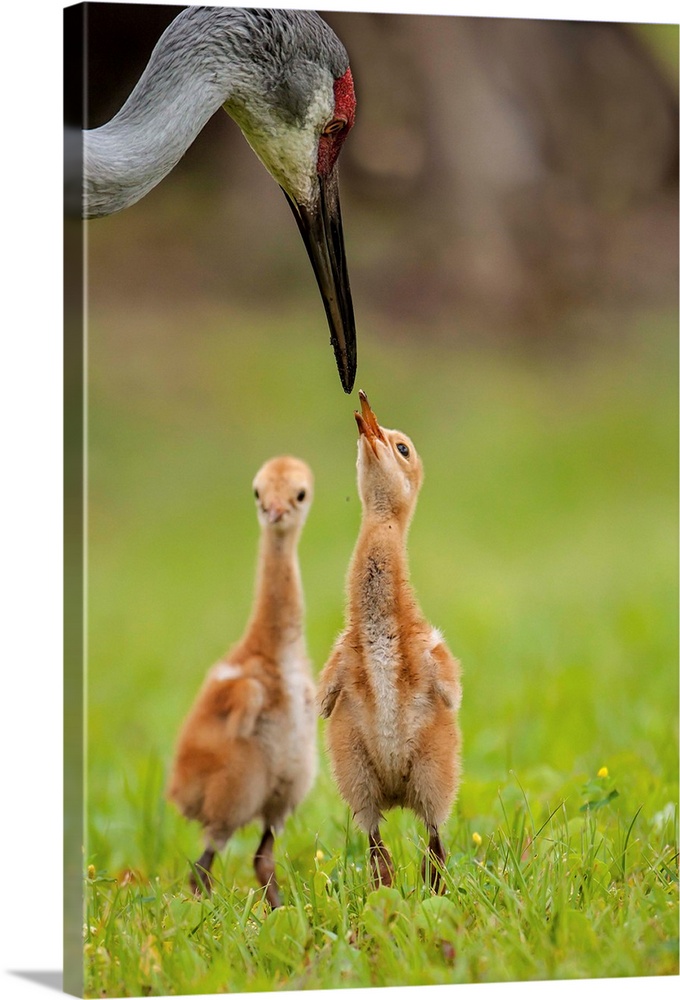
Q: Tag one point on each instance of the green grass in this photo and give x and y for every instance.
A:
(544, 546)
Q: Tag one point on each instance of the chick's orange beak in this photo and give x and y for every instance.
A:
(274, 513)
(367, 422)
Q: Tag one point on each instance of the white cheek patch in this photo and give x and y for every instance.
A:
(225, 672)
(289, 152)
(292, 162)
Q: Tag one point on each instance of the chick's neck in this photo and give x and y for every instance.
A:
(379, 574)
(278, 609)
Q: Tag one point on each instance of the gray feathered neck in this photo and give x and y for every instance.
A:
(279, 51)
(206, 58)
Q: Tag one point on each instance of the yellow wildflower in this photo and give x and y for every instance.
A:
(476, 839)
(319, 855)
(603, 772)
(91, 871)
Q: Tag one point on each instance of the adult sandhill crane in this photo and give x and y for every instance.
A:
(284, 77)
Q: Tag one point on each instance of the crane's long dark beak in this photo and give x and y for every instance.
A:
(320, 225)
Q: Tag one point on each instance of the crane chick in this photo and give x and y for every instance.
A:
(247, 749)
(390, 689)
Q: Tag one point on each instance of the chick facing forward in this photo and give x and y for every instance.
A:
(247, 749)
(391, 689)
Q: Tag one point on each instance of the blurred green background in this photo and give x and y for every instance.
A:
(544, 544)
(510, 210)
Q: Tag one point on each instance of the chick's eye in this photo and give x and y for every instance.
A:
(257, 494)
(334, 126)
(301, 495)
(403, 449)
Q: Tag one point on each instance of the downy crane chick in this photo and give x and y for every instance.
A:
(390, 689)
(247, 749)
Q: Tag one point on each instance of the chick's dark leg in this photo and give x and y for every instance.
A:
(382, 868)
(200, 876)
(264, 867)
(434, 860)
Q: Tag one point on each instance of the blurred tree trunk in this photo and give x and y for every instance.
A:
(502, 173)
(534, 163)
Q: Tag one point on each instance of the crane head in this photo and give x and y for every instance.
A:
(297, 130)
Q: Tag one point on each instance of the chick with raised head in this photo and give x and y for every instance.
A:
(391, 689)
(247, 749)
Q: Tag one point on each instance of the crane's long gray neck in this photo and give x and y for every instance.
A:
(189, 75)
(250, 60)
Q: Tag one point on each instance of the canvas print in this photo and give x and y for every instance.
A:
(371, 476)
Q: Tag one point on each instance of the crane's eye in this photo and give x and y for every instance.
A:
(301, 495)
(334, 126)
(403, 449)
(257, 494)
